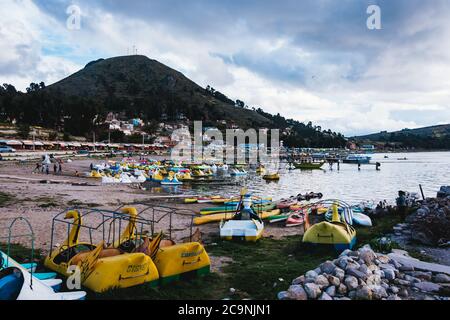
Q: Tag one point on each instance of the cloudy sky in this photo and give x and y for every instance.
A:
(310, 60)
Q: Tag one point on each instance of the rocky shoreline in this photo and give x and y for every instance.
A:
(429, 224)
(367, 275)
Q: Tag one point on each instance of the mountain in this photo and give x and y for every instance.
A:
(136, 86)
(142, 85)
(434, 137)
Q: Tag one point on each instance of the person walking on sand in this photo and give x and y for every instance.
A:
(60, 167)
(401, 205)
(37, 168)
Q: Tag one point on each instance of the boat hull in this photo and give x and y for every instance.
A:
(248, 230)
(336, 234)
(180, 261)
(228, 216)
(309, 166)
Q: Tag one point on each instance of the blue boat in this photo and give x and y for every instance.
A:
(5, 262)
(357, 159)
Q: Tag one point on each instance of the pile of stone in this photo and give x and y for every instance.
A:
(444, 192)
(430, 223)
(366, 275)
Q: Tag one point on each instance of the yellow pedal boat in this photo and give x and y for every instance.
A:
(102, 268)
(336, 233)
(271, 177)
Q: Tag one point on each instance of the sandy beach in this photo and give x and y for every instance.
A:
(40, 197)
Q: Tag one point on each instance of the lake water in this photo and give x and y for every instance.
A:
(431, 169)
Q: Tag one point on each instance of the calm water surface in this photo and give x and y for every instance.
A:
(431, 169)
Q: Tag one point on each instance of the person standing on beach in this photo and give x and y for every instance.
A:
(60, 167)
(37, 168)
(401, 205)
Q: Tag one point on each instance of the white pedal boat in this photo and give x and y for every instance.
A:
(16, 283)
(248, 230)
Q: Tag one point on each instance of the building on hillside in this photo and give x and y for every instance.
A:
(368, 147)
(137, 122)
(351, 145)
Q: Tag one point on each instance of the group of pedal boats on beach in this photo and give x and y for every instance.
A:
(135, 257)
(244, 217)
(126, 256)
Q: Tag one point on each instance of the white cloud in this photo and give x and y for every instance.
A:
(24, 31)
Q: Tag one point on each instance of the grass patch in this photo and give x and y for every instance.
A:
(257, 268)
(208, 287)
(254, 272)
(5, 198)
(46, 202)
(415, 253)
(48, 205)
(381, 227)
(78, 203)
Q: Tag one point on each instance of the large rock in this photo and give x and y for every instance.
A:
(351, 282)
(297, 292)
(444, 192)
(356, 273)
(401, 282)
(322, 281)
(403, 293)
(311, 275)
(441, 278)
(426, 276)
(368, 255)
(283, 295)
(327, 267)
(334, 280)
(378, 292)
(420, 265)
(352, 265)
(343, 261)
(394, 297)
(342, 289)
(345, 252)
(363, 293)
(299, 280)
(427, 286)
(385, 266)
(406, 267)
(394, 289)
(411, 279)
(364, 269)
(389, 274)
(383, 258)
(312, 290)
(373, 280)
(331, 291)
(325, 296)
(352, 294)
(354, 254)
(339, 273)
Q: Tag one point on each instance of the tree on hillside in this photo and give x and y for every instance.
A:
(23, 130)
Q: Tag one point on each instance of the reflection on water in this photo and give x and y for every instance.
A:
(431, 169)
